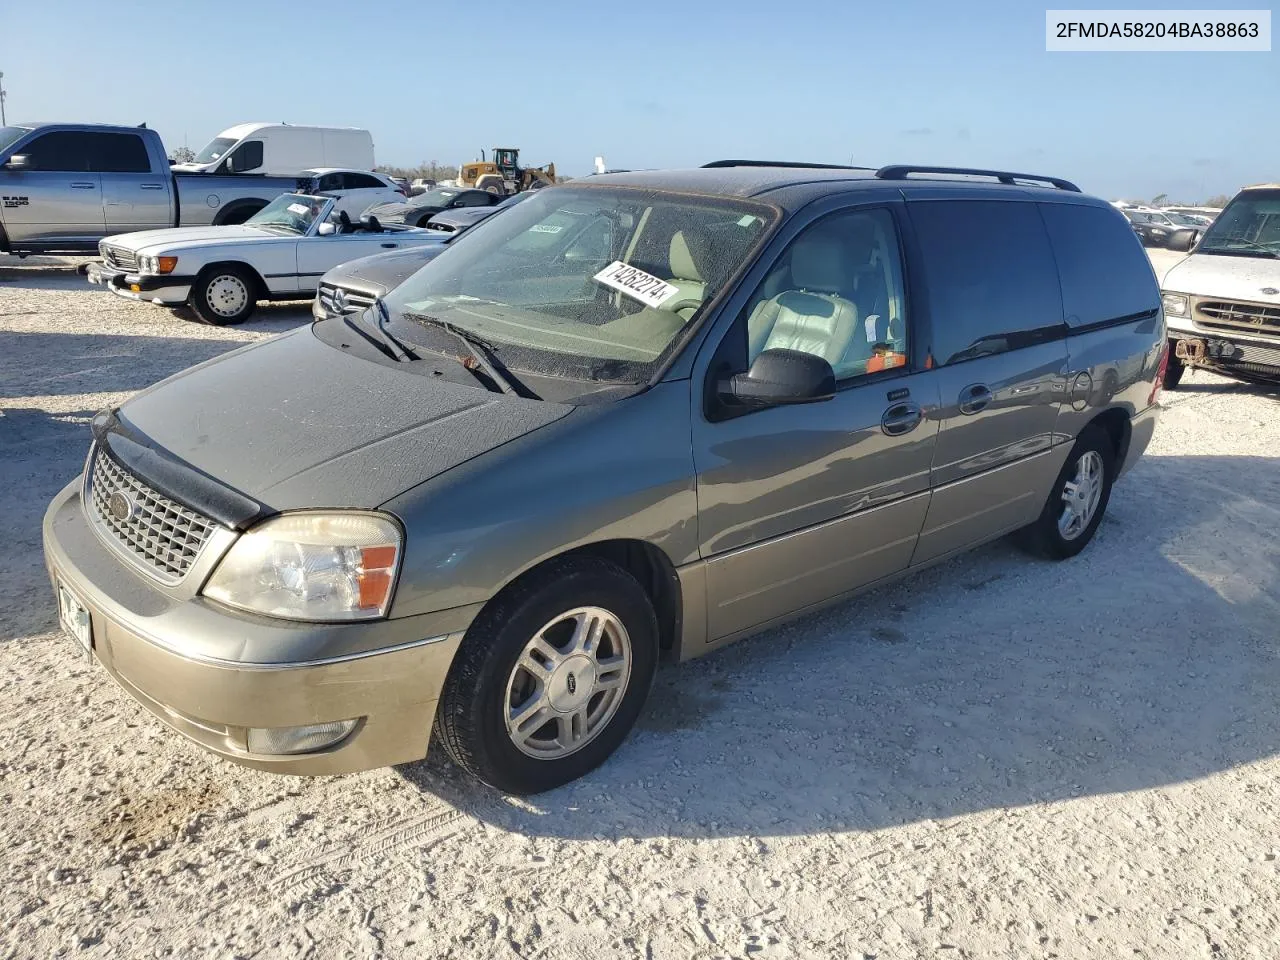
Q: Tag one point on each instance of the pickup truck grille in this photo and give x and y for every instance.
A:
(119, 257)
(160, 536)
(339, 300)
(1232, 315)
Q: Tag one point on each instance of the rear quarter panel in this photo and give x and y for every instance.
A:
(202, 196)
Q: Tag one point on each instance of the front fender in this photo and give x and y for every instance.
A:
(621, 470)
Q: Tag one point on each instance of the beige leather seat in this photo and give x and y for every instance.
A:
(811, 316)
(686, 276)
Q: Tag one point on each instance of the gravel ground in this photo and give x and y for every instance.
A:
(997, 758)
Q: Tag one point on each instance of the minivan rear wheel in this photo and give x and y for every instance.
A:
(1077, 500)
(551, 676)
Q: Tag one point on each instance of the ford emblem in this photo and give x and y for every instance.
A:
(1270, 291)
(121, 507)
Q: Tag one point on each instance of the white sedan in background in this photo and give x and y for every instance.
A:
(355, 190)
(280, 253)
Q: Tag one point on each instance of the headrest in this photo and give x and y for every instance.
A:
(683, 264)
(817, 261)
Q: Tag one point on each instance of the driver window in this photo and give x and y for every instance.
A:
(836, 292)
(248, 156)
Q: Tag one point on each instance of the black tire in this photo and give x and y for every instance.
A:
(470, 721)
(1173, 371)
(213, 295)
(422, 221)
(1044, 537)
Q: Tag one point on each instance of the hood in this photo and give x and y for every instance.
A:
(382, 270)
(464, 216)
(397, 210)
(294, 423)
(189, 237)
(1231, 278)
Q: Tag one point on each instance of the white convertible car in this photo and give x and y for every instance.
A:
(280, 253)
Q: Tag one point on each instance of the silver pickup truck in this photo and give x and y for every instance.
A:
(65, 186)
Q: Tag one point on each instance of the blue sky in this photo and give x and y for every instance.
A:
(660, 84)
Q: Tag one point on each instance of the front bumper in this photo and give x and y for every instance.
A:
(169, 291)
(158, 648)
(1224, 350)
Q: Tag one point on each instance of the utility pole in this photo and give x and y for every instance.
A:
(3, 122)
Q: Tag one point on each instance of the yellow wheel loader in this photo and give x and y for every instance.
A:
(503, 174)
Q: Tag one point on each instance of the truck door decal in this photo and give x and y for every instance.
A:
(14, 201)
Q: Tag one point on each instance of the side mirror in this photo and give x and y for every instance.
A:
(326, 229)
(781, 377)
(19, 161)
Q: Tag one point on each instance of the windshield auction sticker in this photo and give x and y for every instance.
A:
(1122, 31)
(635, 283)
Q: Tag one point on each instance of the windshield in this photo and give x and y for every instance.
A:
(289, 213)
(11, 135)
(216, 150)
(591, 284)
(1249, 224)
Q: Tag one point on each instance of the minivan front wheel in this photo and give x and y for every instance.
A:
(1078, 499)
(551, 677)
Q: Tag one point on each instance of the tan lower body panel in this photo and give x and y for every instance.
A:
(973, 510)
(770, 579)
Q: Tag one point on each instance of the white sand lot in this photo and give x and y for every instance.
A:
(1001, 757)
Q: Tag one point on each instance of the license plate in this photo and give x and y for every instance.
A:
(74, 617)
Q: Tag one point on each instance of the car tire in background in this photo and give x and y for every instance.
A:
(550, 677)
(1173, 371)
(1077, 500)
(224, 295)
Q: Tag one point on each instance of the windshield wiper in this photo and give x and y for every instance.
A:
(382, 338)
(481, 353)
(1252, 249)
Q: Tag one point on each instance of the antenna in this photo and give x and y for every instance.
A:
(3, 122)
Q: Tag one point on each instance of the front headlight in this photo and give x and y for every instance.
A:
(312, 566)
(1175, 304)
(157, 265)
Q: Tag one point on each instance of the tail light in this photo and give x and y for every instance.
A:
(1161, 368)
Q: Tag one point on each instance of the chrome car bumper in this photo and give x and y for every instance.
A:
(168, 291)
(157, 647)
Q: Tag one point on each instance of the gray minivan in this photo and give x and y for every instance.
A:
(633, 418)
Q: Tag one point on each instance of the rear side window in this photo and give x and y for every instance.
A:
(363, 181)
(120, 153)
(63, 150)
(1105, 273)
(992, 280)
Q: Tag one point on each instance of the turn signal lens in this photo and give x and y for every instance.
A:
(166, 264)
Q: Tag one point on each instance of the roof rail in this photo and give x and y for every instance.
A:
(900, 171)
(781, 163)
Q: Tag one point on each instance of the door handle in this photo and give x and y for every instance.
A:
(152, 186)
(901, 419)
(974, 398)
(389, 246)
(82, 186)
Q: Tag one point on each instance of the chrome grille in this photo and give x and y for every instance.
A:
(338, 300)
(119, 257)
(160, 535)
(1232, 315)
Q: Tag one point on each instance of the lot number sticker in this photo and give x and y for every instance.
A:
(635, 283)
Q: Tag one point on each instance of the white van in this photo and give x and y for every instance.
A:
(1222, 303)
(282, 150)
